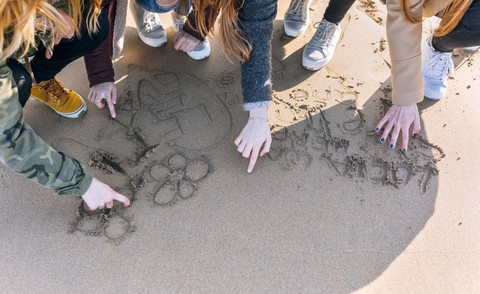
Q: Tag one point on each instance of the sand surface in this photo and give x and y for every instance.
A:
(328, 210)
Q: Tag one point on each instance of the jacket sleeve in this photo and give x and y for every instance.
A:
(191, 26)
(98, 63)
(24, 152)
(256, 19)
(404, 40)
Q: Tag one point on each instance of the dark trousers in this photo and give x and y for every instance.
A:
(337, 9)
(465, 34)
(64, 53)
(69, 50)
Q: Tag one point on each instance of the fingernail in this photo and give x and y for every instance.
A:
(377, 129)
(404, 150)
(391, 146)
(415, 135)
(382, 140)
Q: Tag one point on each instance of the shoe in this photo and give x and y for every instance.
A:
(436, 68)
(65, 102)
(202, 50)
(296, 18)
(319, 51)
(178, 22)
(149, 26)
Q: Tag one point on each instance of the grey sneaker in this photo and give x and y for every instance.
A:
(149, 27)
(202, 50)
(319, 51)
(296, 18)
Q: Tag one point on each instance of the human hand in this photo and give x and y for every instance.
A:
(185, 42)
(399, 118)
(255, 134)
(107, 91)
(99, 196)
(60, 34)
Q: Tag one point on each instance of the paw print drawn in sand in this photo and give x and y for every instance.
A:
(175, 178)
(110, 223)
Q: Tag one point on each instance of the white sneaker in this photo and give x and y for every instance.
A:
(319, 51)
(149, 26)
(436, 68)
(296, 18)
(202, 50)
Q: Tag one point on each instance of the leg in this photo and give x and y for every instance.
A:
(22, 79)
(465, 34)
(65, 102)
(337, 9)
(184, 8)
(69, 50)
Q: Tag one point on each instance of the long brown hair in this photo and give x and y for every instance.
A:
(232, 38)
(451, 15)
(19, 21)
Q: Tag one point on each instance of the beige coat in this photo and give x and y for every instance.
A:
(405, 40)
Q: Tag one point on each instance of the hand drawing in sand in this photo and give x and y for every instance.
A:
(307, 130)
(167, 180)
(111, 223)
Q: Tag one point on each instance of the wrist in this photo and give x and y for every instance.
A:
(260, 113)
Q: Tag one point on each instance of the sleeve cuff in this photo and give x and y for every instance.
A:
(255, 105)
(79, 189)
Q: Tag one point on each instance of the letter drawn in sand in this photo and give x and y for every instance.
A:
(306, 130)
(173, 108)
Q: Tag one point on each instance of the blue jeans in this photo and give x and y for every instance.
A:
(152, 6)
(465, 34)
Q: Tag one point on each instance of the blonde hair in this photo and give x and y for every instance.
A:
(21, 19)
(76, 9)
(232, 38)
(451, 15)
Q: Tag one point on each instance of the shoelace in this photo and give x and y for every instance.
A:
(55, 91)
(322, 36)
(178, 22)
(296, 6)
(150, 19)
(439, 66)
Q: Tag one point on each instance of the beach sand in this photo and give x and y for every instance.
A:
(328, 210)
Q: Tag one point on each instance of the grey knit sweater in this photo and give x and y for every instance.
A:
(256, 18)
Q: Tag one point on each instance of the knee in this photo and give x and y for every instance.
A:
(22, 78)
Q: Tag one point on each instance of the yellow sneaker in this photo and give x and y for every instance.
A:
(65, 102)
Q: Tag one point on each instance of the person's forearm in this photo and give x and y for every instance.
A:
(98, 63)
(24, 152)
(191, 26)
(256, 17)
(404, 40)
